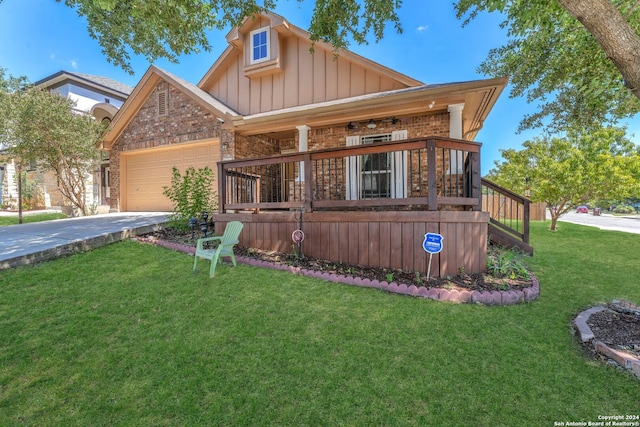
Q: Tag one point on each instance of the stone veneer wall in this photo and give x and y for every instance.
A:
(185, 121)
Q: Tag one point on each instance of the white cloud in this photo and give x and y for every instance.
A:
(422, 28)
(73, 63)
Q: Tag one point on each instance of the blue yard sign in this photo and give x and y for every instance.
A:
(432, 243)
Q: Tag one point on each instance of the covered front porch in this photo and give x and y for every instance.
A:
(368, 204)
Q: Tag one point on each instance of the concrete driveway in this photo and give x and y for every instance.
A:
(35, 242)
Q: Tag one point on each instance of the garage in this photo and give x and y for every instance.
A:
(147, 172)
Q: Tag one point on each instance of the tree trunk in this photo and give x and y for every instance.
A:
(614, 34)
(554, 222)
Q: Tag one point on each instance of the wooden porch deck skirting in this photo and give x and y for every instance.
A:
(389, 239)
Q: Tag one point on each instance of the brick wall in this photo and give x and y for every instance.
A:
(436, 124)
(185, 121)
(331, 182)
(419, 126)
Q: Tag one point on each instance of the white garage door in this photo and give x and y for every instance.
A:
(148, 172)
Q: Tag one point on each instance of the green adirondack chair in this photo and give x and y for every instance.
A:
(221, 246)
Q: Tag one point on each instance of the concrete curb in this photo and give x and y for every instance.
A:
(77, 246)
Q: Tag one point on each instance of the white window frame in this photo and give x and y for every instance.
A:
(252, 59)
(398, 169)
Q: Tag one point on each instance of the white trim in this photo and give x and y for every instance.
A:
(352, 184)
(267, 31)
(455, 120)
(399, 167)
(456, 162)
(303, 146)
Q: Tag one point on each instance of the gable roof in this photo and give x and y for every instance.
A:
(285, 27)
(143, 90)
(296, 72)
(96, 83)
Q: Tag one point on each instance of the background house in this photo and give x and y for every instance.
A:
(99, 96)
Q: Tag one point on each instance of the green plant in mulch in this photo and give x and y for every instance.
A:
(191, 194)
(506, 262)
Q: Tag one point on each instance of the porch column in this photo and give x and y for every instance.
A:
(303, 146)
(455, 120)
(455, 131)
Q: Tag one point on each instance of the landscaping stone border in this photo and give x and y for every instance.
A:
(456, 296)
(622, 359)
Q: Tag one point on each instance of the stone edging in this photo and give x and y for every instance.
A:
(458, 296)
(625, 360)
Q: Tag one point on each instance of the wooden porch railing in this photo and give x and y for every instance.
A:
(422, 174)
(508, 216)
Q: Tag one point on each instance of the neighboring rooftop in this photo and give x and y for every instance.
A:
(107, 83)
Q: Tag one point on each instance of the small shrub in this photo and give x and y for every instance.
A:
(191, 195)
(624, 209)
(32, 196)
(503, 262)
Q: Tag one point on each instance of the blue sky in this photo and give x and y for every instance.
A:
(41, 37)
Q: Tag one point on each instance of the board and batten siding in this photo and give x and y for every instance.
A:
(375, 239)
(305, 78)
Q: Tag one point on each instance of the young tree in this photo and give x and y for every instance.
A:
(564, 172)
(40, 127)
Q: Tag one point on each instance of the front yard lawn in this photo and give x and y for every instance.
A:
(128, 335)
(13, 220)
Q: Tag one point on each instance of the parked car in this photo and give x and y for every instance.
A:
(582, 209)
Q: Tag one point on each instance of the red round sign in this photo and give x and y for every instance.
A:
(297, 236)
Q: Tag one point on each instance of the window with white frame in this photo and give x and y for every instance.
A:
(376, 175)
(259, 45)
(375, 170)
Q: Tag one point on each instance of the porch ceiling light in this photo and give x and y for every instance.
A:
(371, 124)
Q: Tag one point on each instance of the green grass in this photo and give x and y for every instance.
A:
(126, 335)
(12, 220)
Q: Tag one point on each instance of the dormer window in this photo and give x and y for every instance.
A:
(259, 45)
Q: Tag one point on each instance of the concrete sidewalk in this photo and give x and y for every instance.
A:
(40, 241)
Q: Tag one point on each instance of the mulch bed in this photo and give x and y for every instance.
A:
(471, 282)
(620, 331)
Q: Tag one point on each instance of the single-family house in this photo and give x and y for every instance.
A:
(363, 159)
(96, 95)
